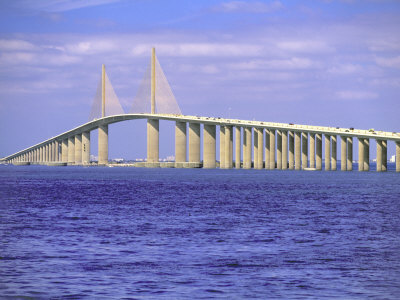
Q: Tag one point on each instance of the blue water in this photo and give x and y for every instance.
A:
(137, 233)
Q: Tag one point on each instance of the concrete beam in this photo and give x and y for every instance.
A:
(209, 146)
(181, 141)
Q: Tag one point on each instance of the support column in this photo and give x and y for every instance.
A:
(312, 150)
(327, 152)
(57, 153)
(272, 149)
(384, 156)
(291, 150)
(297, 149)
(222, 147)
(334, 152)
(247, 148)
(228, 147)
(318, 159)
(153, 135)
(349, 153)
(86, 148)
(209, 146)
(304, 152)
(267, 149)
(343, 154)
(238, 144)
(103, 143)
(284, 150)
(78, 149)
(64, 150)
(260, 136)
(71, 150)
(180, 141)
(279, 150)
(379, 155)
(194, 142)
(255, 148)
(360, 154)
(53, 151)
(366, 154)
(397, 156)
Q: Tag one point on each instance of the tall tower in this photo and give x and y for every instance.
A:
(153, 80)
(103, 91)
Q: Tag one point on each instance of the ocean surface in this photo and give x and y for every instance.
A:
(101, 233)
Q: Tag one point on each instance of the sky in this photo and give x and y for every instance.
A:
(327, 63)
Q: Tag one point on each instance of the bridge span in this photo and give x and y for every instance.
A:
(258, 145)
(275, 145)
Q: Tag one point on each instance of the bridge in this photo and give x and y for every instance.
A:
(258, 145)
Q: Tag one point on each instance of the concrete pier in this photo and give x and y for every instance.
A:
(78, 149)
(397, 156)
(379, 155)
(327, 152)
(284, 150)
(255, 148)
(180, 141)
(272, 149)
(153, 141)
(64, 150)
(71, 150)
(366, 154)
(343, 154)
(228, 147)
(312, 150)
(238, 144)
(349, 154)
(297, 150)
(361, 154)
(384, 156)
(304, 150)
(333, 152)
(222, 147)
(267, 150)
(194, 142)
(209, 146)
(291, 150)
(86, 147)
(279, 150)
(103, 144)
(247, 148)
(318, 144)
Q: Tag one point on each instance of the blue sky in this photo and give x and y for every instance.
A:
(328, 63)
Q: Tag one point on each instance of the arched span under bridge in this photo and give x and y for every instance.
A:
(275, 145)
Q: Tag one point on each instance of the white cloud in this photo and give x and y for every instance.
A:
(390, 62)
(284, 64)
(345, 69)
(15, 45)
(248, 7)
(305, 46)
(356, 95)
(58, 5)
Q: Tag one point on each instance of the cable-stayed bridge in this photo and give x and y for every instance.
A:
(258, 145)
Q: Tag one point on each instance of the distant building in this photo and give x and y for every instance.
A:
(392, 159)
